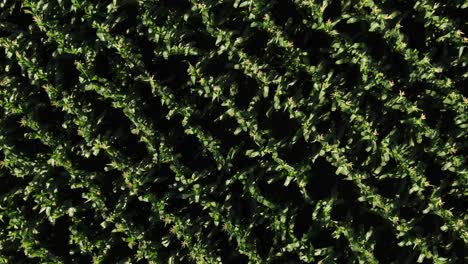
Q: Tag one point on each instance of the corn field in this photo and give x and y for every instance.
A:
(234, 131)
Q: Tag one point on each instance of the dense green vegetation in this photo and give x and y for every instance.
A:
(237, 131)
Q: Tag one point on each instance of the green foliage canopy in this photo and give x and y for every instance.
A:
(195, 131)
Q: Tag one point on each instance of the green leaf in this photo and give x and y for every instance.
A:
(288, 180)
(265, 91)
